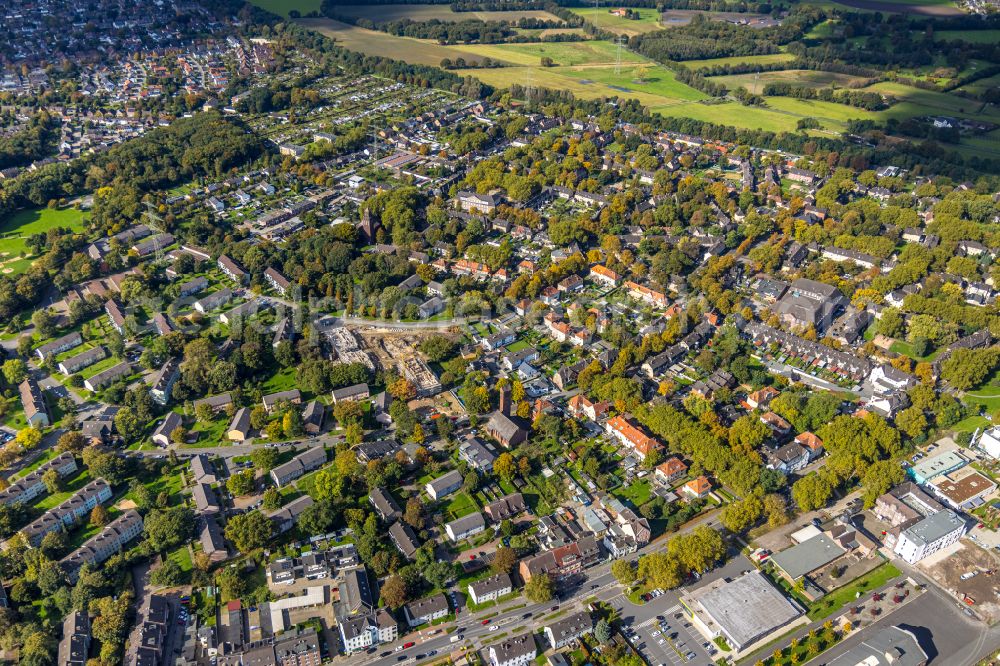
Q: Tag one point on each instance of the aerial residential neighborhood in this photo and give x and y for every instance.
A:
(498, 334)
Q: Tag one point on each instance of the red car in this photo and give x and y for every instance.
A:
(485, 622)
(408, 645)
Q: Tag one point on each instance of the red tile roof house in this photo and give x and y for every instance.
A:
(631, 436)
(697, 488)
(670, 470)
(811, 443)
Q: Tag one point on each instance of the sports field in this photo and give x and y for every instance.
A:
(437, 12)
(15, 229)
(803, 77)
(601, 17)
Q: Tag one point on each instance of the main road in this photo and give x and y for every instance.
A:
(512, 615)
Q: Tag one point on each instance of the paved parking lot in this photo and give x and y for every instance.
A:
(671, 641)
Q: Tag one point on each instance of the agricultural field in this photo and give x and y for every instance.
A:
(562, 53)
(282, 7)
(373, 42)
(438, 12)
(917, 102)
(803, 77)
(985, 145)
(542, 33)
(601, 17)
(587, 69)
(16, 228)
(739, 60)
(971, 36)
(982, 85)
(921, 7)
(732, 113)
(657, 86)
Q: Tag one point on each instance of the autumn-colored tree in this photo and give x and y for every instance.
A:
(394, 592)
(99, 516)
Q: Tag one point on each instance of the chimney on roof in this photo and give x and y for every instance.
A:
(505, 401)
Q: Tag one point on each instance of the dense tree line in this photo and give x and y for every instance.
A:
(924, 157)
(871, 101)
(36, 140)
(707, 38)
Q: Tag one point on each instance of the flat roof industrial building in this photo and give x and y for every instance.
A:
(743, 610)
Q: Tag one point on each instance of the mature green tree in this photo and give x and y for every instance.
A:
(812, 492)
(14, 371)
(249, 531)
(242, 483)
(539, 589)
(743, 514)
(504, 560)
(623, 571)
(264, 458)
(602, 631)
(661, 570)
(167, 528)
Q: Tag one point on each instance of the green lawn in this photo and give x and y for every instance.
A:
(460, 505)
(15, 229)
(971, 424)
(906, 349)
(182, 556)
(283, 380)
(972, 36)
(211, 433)
(637, 493)
(837, 599)
(70, 486)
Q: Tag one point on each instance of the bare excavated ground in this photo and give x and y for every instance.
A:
(983, 589)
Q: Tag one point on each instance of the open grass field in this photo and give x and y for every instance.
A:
(373, 42)
(587, 70)
(542, 33)
(440, 12)
(15, 229)
(738, 60)
(822, 30)
(732, 113)
(658, 86)
(984, 145)
(802, 77)
(282, 7)
(562, 53)
(982, 85)
(602, 18)
(971, 36)
(917, 102)
(922, 7)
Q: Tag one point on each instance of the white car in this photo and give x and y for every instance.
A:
(494, 627)
(398, 648)
(655, 633)
(661, 641)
